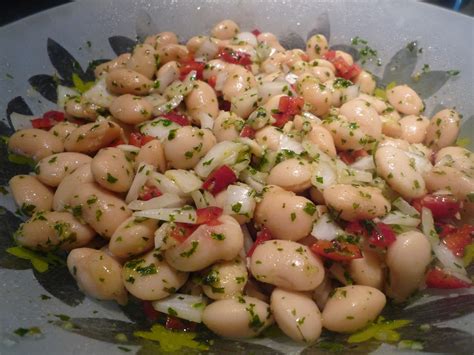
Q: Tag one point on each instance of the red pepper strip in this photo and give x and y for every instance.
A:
(149, 192)
(441, 206)
(336, 250)
(287, 108)
(58, 116)
(343, 69)
(208, 215)
(248, 132)
(139, 140)
(438, 278)
(212, 81)
(43, 123)
(149, 311)
(188, 66)
(234, 57)
(262, 236)
(174, 323)
(351, 156)
(182, 231)
(177, 118)
(256, 32)
(379, 234)
(219, 179)
(458, 240)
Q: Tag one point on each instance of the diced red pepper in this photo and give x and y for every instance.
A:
(444, 229)
(58, 116)
(247, 132)
(149, 311)
(212, 81)
(224, 105)
(189, 66)
(234, 57)
(287, 108)
(219, 179)
(43, 123)
(382, 235)
(351, 156)
(262, 236)
(441, 206)
(174, 323)
(438, 278)
(459, 239)
(177, 118)
(208, 215)
(182, 231)
(343, 69)
(149, 192)
(117, 142)
(356, 228)
(336, 250)
(139, 140)
(256, 32)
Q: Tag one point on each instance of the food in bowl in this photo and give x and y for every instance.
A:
(234, 183)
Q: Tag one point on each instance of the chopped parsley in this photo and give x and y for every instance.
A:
(111, 179)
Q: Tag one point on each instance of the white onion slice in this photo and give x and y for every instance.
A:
(128, 148)
(168, 106)
(225, 152)
(158, 128)
(240, 200)
(364, 163)
(291, 144)
(99, 95)
(165, 184)
(314, 152)
(207, 51)
(185, 214)
(247, 37)
(311, 117)
(206, 120)
(324, 175)
(64, 94)
(163, 201)
(20, 121)
(405, 207)
(182, 306)
(422, 164)
(351, 92)
(291, 78)
(254, 178)
(349, 176)
(269, 89)
(187, 181)
(160, 236)
(326, 229)
(143, 171)
(397, 217)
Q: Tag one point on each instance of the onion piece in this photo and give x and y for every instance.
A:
(364, 163)
(349, 93)
(160, 236)
(397, 217)
(207, 51)
(291, 144)
(182, 306)
(225, 152)
(405, 207)
(323, 176)
(315, 153)
(20, 121)
(128, 148)
(254, 178)
(168, 106)
(255, 148)
(269, 89)
(143, 171)
(99, 95)
(240, 200)
(326, 229)
(311, 117)
(441, 251)
(291, 78)
(186, 214)
(206, 120)
(163, 201)
(247, 37)
(186, 180)
(165, 184)
(64, 94)
(422, 164)
(158, 128)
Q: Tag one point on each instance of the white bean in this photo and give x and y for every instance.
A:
(351, 308)
(443, 129)
(90, 137)
(161, 39)
(143, 60)
(63, 129)
(405, 100)
(119, 62)
(34, 143)
(134, 236)
(30, 195)
(291, 174)
(460, 184)
(367, 270)
(68, 186)
(227, 126)
(287, 264)
(366, 82)
(225, 279)
(112, 170)
(131, 109)
(126, 81)
(414, 128)
(51, 170)
(316, 46)
(225, 29)
(202, 100)
(152, 153)
(364, 115)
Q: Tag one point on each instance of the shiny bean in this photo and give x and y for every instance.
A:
(30, 195)
(126, 81)
(91, 137)
(112, 170)
(34, 143)
(131, 109)
(52, 169)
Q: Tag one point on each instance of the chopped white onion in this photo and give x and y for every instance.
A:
(351, 92)
(247, 37)
(311, 117)
(326, 229)
(221, 78)
(291, 78)
(186, 214)
(315, 153)
(64, 94)
(99, 95)
(364, 163)
(225, 152)
(182, 306)
(324, 175)
(168, 106)
(128, 148)
(397, 217)
(206, 120)
(20, 121)
(163, 201)
(160, 236)
(198, 199)
(269, 89)
(240, 200)
(405, 207)
(291, 144)
(165, 184)
(207, 51)
(255, 148)
(141, 177)
(158, 128)
(254, 178)
(441, 251)
(421, 164)
(186, 180)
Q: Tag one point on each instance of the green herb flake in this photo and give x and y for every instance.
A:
(111, 179)
(27, 331)
(80, 85)
(236, 207)
(123, 348)
(217, 236)
(309, 208)
(45, 297)
(188, 253)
